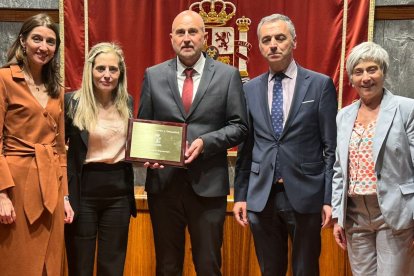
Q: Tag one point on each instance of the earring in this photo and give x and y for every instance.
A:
(24, 50)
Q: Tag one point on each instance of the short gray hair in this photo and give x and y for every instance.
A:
(277, 17)
(367, 51)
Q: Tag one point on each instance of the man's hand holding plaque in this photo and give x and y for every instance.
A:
(191, 153)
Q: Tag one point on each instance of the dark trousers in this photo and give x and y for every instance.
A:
(101, 221)
(174, 209)
(271, 229)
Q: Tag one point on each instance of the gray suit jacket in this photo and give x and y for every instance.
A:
(217, 116)
(306, 147)
(393, 152)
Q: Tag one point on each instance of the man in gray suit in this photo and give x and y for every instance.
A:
(196, 196)
(284, 169)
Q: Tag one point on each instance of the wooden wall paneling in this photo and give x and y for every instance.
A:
(238, 248)
(333, 260)
(20, 15)
(239, 257)
(397, 12)
(140, 252)
(392, 12)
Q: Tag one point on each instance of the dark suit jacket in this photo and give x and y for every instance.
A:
(217, 116)
(306, 146)
(76, 156)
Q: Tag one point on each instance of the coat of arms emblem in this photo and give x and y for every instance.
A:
(224, 43)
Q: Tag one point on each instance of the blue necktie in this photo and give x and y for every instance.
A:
(277, 105)
(277, 115)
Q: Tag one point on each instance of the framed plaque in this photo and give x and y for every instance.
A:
(156, 142)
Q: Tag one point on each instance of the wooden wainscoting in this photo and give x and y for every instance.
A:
(239, 257)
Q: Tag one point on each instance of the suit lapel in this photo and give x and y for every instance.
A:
(301, 87)
(207, 76)
(83, 133)
(85, 137)
(346, 125)
(173, 84)
(264, 101)
(386, 116)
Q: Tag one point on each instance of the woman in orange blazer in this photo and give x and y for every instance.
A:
(33, 182)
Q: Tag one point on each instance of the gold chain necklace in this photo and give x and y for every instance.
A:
(30, 81)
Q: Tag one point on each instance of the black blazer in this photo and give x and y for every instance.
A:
(78, 147)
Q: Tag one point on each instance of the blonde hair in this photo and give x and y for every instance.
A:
(85, 113)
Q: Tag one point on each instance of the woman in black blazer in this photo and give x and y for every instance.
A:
(101, 184)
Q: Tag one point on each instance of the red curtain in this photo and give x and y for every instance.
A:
(74, 43)
(142, 28)
(357, 32)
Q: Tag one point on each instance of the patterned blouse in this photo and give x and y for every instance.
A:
(362, 177)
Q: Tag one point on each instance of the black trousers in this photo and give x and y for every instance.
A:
(102, 220)
(271, 228)
(177, 207)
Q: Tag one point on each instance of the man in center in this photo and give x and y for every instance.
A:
(284, 170)
(206, 95)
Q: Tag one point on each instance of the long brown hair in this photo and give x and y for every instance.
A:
(16, 55)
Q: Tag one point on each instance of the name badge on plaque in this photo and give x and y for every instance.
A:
(156, 142)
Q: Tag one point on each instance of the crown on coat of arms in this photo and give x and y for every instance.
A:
(243, 23)
(214, 12)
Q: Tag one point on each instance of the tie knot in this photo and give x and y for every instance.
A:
(279, 76)
(189, 72)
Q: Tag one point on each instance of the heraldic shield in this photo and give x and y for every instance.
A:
(224, 43)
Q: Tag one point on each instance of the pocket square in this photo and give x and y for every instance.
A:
(310, 101)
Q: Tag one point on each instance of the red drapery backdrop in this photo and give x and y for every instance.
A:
(142, 28)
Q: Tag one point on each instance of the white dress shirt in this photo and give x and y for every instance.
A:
(288, 85)
(198, 71)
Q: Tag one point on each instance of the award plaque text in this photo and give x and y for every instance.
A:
(156, 142)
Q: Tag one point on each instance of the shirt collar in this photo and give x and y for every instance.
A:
(290, 72)
(198, 66)
(16, 71)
